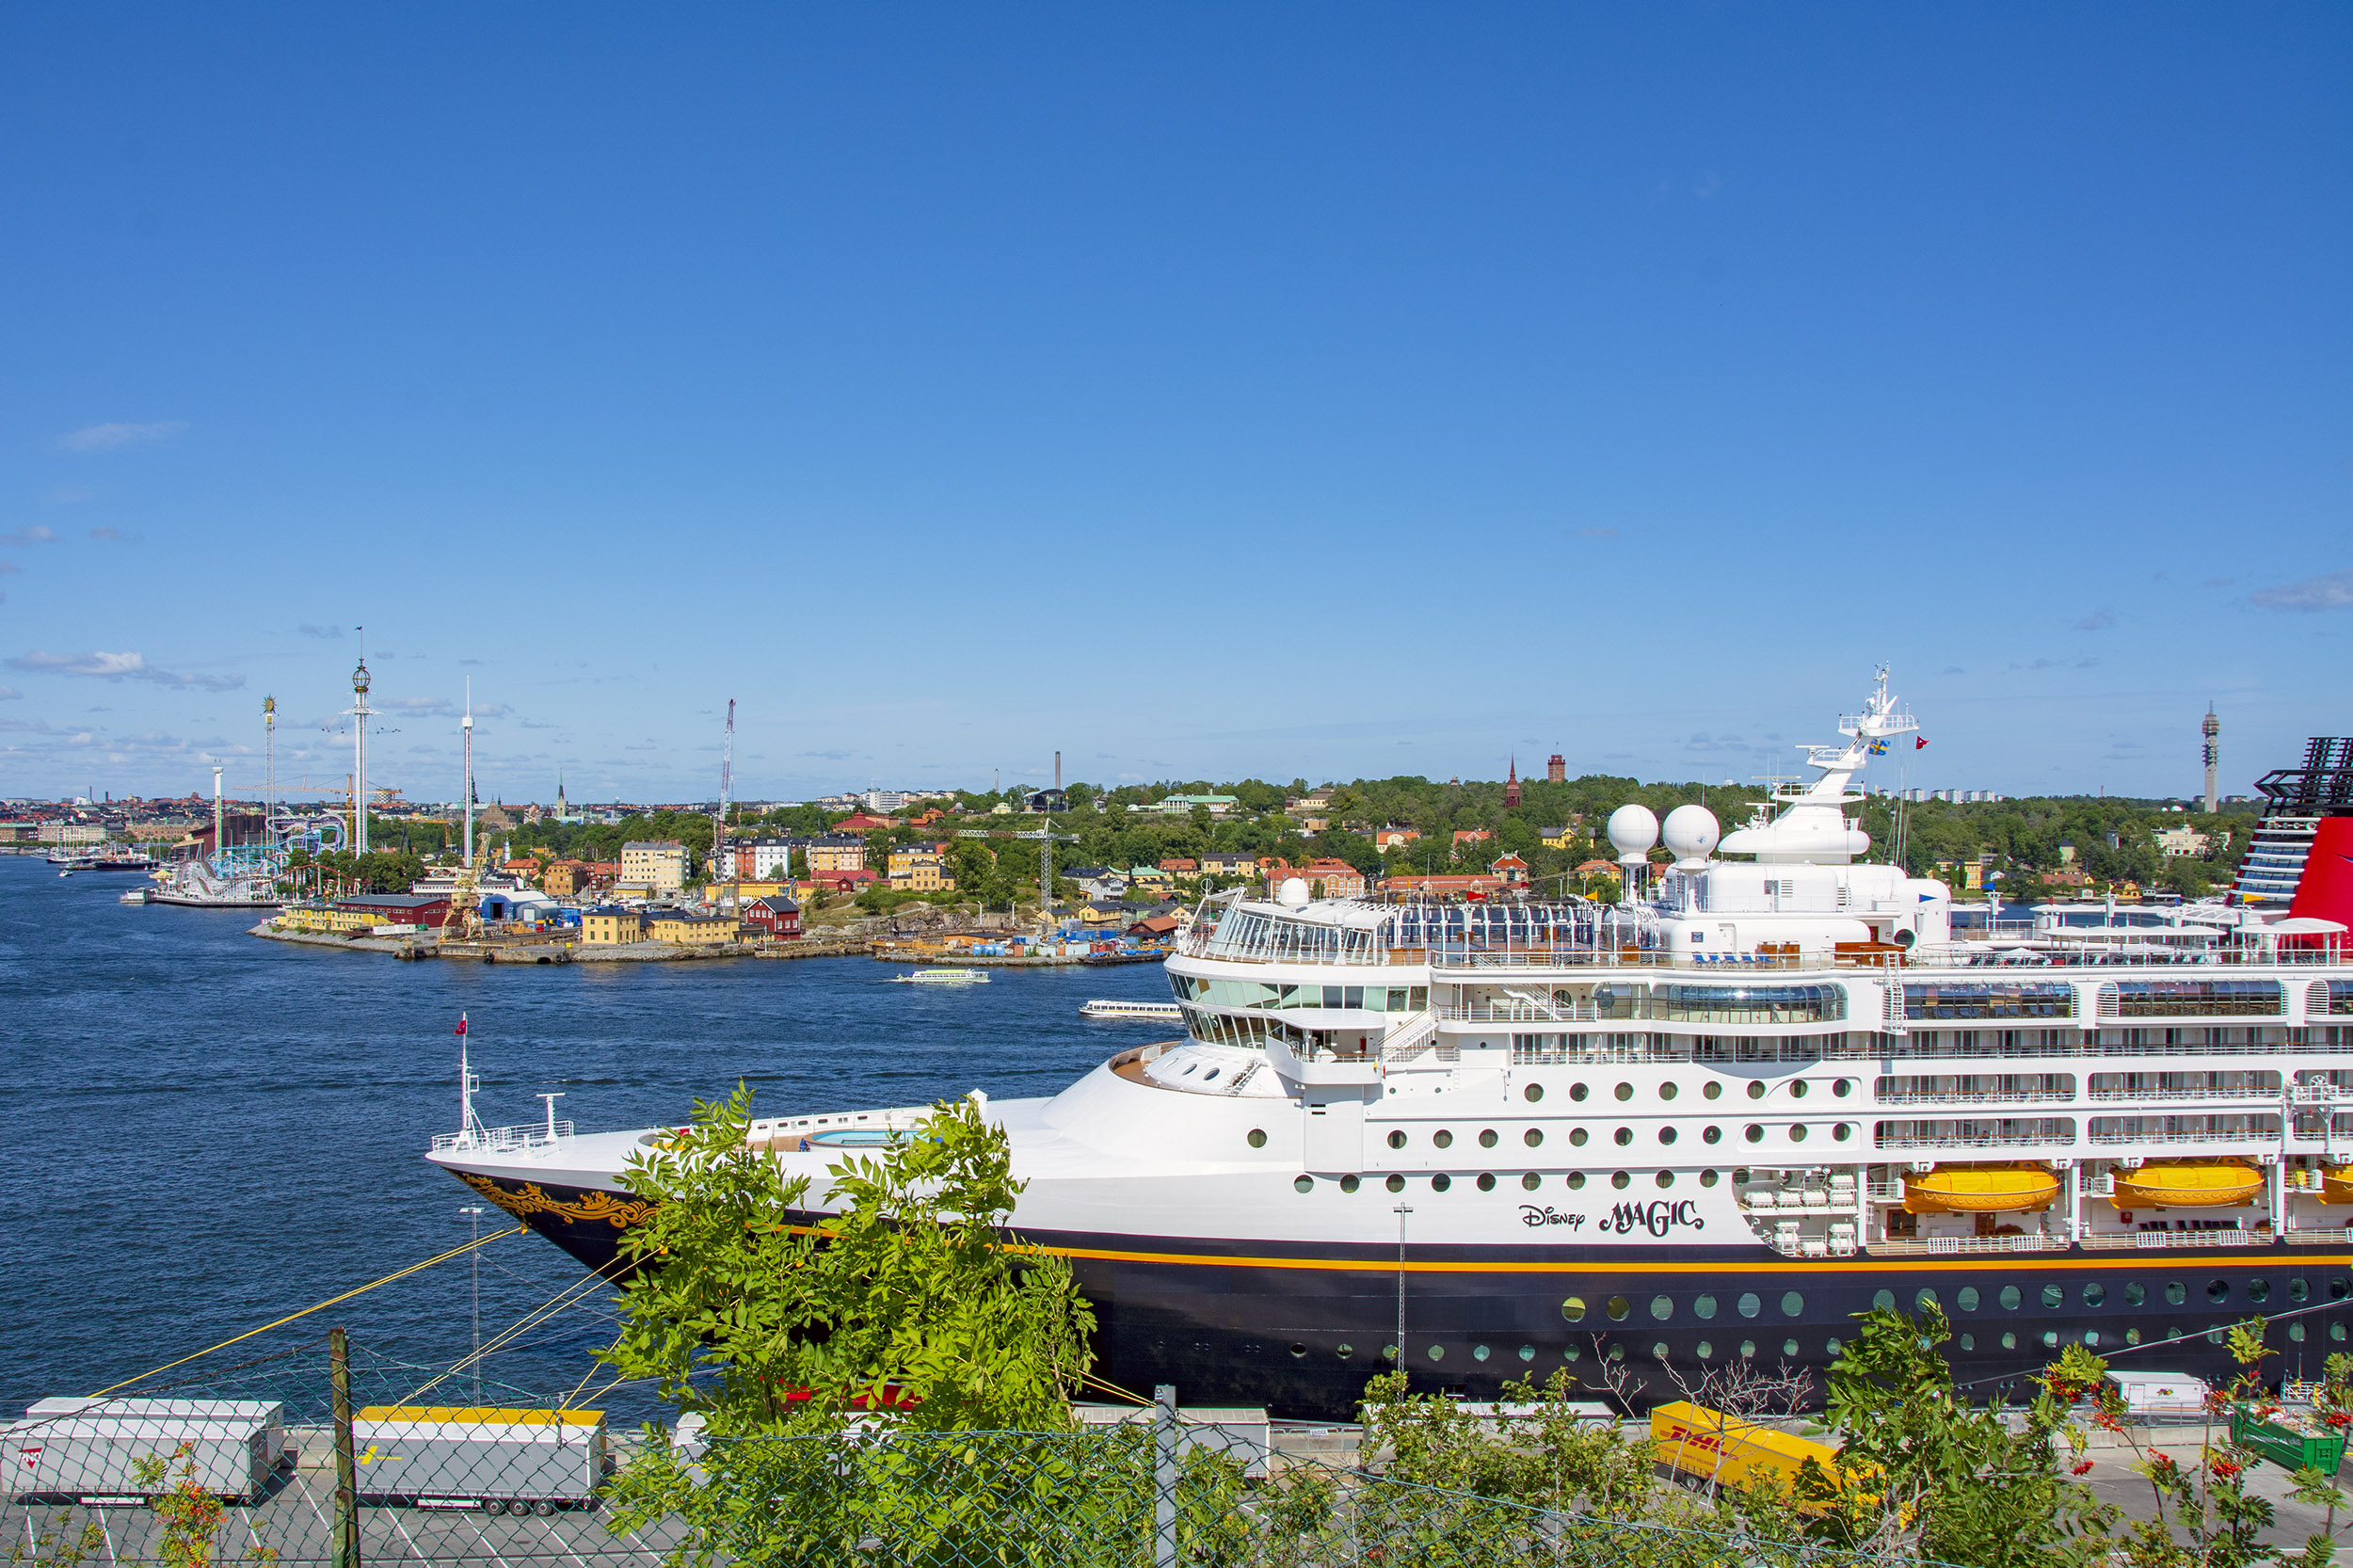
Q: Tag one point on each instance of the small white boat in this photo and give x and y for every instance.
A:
(133, 895)
(943, 977)
(1137, 1012)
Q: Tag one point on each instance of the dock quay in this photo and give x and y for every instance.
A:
(530, 951)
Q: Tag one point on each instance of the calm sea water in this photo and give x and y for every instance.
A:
(209, 1130)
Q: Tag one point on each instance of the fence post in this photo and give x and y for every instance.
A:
(1164, 1475)
(347, 1547)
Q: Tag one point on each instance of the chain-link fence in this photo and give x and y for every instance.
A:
(380, 1462)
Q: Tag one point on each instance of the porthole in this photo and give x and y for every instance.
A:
(1487, 1138)
(1713, 1135)
(1577, 1092)
(1704, 1349)
(1705, 1307)
(1305, 1184)
(2259, 1290)
(1258, 1138)
(1437, 1352)
(1620, 1179)
(1442, 1139)
(2218, 1291)
(2175, 1293)
(1573, 1309)
(1658, 1349)
(1830, 1344)
(1298, 1350)
(1666, 1178)
(1479, 1352)
(1797, 1132)
(1756, 1088)
(1624, 1136)
(1968, 1341)
(1966, 1298)
(1532, 1137)
(1535, 1092)
(1397, 1184)
(2010, 1341)
(1662, 1307)
(1843, 1088)
(1843, 1131)
(2336, 1331)
(1792, 1304)
(1789, 1346)
(1923, 1300)
(1756, 1134)
(1572, 1354)
(2337, 1287)
(1748, 1349)
(1575, 1178)
(2135, 1294)
(1347, 1184)
(2095, 1294)
(2050, 1339)
(1486, 1181)
(1440, 1182)
(1576, 1136)
(1346, 1351)
(1388, 1352)
(2052, 1296)
(1527, 1352)
(1714, 1090)
(2298, 1290)
(1797, 1089)
(1397, 1138)
(1666, 1091)
(1666, 1135)
(1624, 1091)
(1750, 1304)
(2132, 1336)
(1619, 1309)
(1708, 1179)
(2296, 1333)
(1885, 1301)
(2011, 1298)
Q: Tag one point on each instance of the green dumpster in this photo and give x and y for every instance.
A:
(2283, 1444)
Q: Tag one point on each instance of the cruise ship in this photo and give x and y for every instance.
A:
(1705, 1124)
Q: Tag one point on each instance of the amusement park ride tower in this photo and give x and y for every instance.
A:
(359, 713)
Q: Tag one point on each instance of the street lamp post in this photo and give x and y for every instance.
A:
(1402, 1210)
(474, 1259)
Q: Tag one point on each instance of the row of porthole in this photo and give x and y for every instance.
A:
(1747, 1348)
(1749, 1303)
(1712, 1089)
(1574, 1181)
(1578, 1137)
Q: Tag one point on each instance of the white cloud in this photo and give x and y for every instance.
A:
(111, 438)
(39, 533)
(329, 632)
(9, 693)
(2329, 591)
(2099, 620)
(119, 666)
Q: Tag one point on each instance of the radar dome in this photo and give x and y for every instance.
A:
(1632, 830)
(1293, 893)
(1690, 834)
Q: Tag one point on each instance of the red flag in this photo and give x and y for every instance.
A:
(461, 1024)
(1919, 741)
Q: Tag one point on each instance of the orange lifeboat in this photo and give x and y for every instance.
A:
(2187, 1184)
(1979, 1190)
(2336, 1184)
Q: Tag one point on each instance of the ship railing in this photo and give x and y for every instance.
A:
(2165, 1241)
(2157, 1097)
(1523, 1013)
(1412, 1039)
(2269, 1139)
(2302, 1236)
(1979, 1096)
(1929, 1246)
(1980, 1140)
(529, 1137)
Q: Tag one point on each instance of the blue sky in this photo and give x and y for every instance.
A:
(1201, 391)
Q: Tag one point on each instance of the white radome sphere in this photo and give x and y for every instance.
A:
(1691, 833)
(1632, 830)
(1293, 893)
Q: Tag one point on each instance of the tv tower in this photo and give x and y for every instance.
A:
(359, 713)
(2213, 727)
(466, 725)
(269, 761)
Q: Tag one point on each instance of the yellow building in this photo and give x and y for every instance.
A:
(658, 865)
(690, 931)
(919, 869)
(1560, 838)
(611, 927)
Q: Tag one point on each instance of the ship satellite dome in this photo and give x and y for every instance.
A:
(1293, 893)
(1632, 830)
(1691, 833)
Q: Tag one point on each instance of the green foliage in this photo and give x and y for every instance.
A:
(1549, 1456)
(1922, 1469)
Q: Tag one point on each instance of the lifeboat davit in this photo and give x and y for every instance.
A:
(2187, 1184)
(1979, 1190)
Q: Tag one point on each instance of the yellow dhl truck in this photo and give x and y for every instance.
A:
(1701, 1445)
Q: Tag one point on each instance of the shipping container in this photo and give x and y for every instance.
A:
(1701, 1445)
(477, 1456)
(270, 1413)
(91, 1456)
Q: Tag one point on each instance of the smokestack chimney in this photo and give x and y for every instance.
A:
(1058, 770)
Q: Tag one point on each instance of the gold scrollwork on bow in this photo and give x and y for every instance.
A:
(594, 1205)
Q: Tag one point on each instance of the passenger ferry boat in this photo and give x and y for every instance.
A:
(941, 977)
(1705, 1124)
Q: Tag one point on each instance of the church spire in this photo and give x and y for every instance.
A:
(1511, 785)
